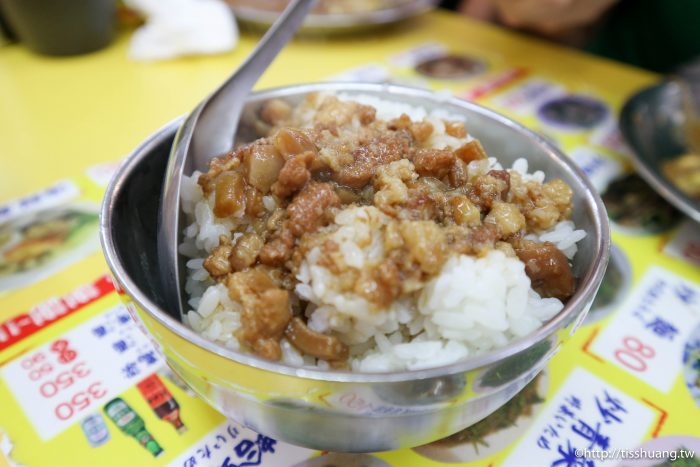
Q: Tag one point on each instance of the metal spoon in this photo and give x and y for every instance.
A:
(209, 131)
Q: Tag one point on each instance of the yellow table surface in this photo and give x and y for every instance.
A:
(59, 115)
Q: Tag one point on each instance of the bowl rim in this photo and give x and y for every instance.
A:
(581, 299)
(339, 21)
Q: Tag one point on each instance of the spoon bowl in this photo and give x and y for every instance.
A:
(209, 131)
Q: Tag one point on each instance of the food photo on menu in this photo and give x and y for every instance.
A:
(315, 233)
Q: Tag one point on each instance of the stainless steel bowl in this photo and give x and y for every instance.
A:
(337, 23)
(339, 410)
(653, 124)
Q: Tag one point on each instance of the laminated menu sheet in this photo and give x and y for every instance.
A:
(80, 384)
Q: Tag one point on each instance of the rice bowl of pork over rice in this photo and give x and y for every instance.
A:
(369, 235)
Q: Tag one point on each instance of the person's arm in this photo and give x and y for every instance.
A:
(553, 18)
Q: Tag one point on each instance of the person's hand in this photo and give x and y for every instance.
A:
(551, 17)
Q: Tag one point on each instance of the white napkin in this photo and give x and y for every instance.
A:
(182, 27)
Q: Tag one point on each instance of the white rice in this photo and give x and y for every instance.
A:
(564, 235)
(388, 110)
(440, 322)
(450, 317)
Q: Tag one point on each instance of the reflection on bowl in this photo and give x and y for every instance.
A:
(342, 410)
(513, 368)
(495, 432)
(333, 459)
(425, 391)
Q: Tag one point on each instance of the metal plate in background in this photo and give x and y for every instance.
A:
(653, 124)
(336, 23)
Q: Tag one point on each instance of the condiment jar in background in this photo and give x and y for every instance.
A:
(61, 27)
(162, 401)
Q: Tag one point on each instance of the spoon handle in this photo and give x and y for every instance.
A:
(225, 102)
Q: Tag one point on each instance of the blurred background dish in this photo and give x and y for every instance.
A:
(451, 66)
(660, 124)
(38, 244)
(333, 16)
(635, 207)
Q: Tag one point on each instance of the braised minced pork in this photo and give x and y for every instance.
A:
(437, 202)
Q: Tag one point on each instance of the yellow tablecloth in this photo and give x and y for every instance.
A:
(58, 115)
(63, 118)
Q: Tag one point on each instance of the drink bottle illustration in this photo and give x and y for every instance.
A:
(128, 421)
(162, 401)
(95, 430)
